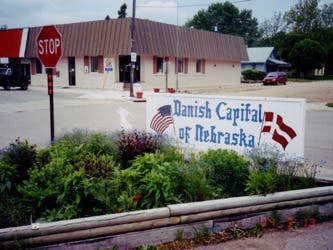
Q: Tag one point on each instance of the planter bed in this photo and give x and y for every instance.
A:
(155, 226)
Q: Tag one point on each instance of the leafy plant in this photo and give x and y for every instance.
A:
(273, 171)
(226, 170)
(134, 143)
(21, 155)
(253, 74)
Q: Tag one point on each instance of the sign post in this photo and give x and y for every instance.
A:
(49, 51)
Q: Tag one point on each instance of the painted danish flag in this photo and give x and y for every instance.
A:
(282, 133)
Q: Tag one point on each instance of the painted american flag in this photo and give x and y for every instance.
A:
(162, 119)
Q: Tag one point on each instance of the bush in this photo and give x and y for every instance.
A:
(272, 171)
(226, 170)
(134, 143)
(253, 74)
(153, 178)
(20, 155)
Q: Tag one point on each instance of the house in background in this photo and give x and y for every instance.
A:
(96, 54)
(264, 59)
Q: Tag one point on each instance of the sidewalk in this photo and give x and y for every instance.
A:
(319, 237)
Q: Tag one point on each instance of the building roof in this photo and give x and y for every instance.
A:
(112, 37)
(259, 54)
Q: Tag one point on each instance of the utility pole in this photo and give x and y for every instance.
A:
(133, 55)
(177, 48)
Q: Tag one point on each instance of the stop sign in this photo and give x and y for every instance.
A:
(49, 46)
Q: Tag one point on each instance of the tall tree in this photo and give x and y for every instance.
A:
(307, 55)
(304, 16)
(273, 26)
(122, 12)
(327, 15)
(227, 19)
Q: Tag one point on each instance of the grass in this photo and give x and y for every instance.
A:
(329, 104)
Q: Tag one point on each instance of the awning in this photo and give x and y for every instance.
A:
(276, 62)
(13, 42)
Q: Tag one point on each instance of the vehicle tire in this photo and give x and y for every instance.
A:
(7, 86)
(24, 86)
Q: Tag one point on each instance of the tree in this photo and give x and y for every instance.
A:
(306, 16)
(3, 27)
(273, 26)
(107, 17)
(122, 12)
(226, 18)
(327, 15)
(307, 55)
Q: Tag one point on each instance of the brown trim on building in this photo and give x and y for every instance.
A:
(154, 64)
(33, 66)
(100, 64)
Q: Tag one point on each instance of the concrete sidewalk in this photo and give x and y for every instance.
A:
(318, 237)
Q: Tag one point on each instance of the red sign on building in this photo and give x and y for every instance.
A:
(49, 46)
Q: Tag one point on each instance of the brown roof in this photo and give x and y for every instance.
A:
(110, 37)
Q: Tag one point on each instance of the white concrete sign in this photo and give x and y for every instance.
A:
(238, 123)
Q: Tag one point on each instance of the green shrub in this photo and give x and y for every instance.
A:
(72, 179)
(253, 74)
(21, 155)
(226, 170)
(134, 143)
(273, 171)
(153, 178)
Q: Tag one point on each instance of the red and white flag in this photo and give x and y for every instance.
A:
(281, 132)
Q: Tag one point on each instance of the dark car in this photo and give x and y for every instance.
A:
(13, 78)
(275, 78)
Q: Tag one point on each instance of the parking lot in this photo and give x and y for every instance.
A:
(25, 114)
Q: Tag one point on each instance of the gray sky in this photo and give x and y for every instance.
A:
(30, 13)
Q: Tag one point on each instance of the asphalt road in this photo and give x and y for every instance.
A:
(25, 114)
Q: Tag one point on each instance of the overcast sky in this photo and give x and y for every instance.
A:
(30, 13)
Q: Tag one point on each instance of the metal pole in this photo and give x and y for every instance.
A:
(177, 47)
(132, 49)
(50, 92)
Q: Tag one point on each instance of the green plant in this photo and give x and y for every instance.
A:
(226, 170)
(329, 104)
(151, 176)
(21, 155)
(180, 234)
(261, 182)
(273, 171)
(253, 74)
(134, 143)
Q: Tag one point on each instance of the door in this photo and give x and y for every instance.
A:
(125, 69)
(71, 71)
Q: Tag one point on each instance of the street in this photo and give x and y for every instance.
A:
(25, 114)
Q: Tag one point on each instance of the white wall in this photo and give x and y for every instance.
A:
(216, 73)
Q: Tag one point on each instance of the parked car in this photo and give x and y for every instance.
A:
(13, 78)
(275, 78)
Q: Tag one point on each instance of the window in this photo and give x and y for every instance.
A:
(180, 65)
(94, 64)
(38, 66)
(198, 66)
(159, 64)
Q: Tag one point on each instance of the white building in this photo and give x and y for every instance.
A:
(97, 55)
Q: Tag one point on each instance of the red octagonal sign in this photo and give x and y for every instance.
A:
(49, 46)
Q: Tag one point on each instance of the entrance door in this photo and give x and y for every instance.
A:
(71, 71)
(125, 69)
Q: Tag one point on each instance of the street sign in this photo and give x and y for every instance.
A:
(49, 46)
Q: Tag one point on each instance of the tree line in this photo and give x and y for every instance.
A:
(302, 35)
